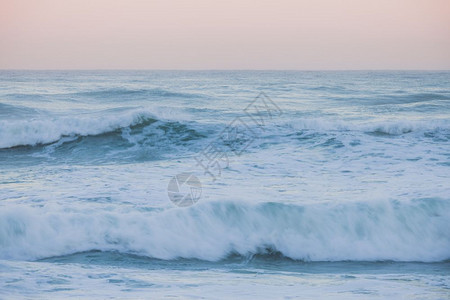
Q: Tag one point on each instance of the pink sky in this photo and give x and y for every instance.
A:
(209, 34)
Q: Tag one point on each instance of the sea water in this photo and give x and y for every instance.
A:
(312, 185)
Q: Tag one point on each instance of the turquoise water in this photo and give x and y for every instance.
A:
(342, 191)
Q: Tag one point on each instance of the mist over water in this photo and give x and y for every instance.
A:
(349, 182)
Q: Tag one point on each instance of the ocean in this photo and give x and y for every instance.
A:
(224, 184)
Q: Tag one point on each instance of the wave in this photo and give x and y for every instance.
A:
(396, 98)
(331, 89)
(410, 98)
(47, 130)
(415, 230)
(16, 111)
(108, 94)
(136, 92)
(388, 127)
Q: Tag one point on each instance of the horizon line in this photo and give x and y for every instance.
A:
(251, 70)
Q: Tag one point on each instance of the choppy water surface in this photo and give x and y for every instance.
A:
(343, 192)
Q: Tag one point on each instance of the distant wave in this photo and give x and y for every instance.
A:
(415, 230)
(8, 110)
(387, 99)
(411, 98)
(111, 93)
(389, 127)
(148, 92)
(331, 88)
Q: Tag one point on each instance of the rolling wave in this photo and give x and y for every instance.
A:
(415, 230)
(410, 98)
(120, 92)
(397, 98)
(388, 127)
(109, 94)
(41, 131)
(16, 111)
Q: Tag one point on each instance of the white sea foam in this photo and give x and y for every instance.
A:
(370, 231)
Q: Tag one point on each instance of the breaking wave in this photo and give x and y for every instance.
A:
(415, 230)
(45, 130)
